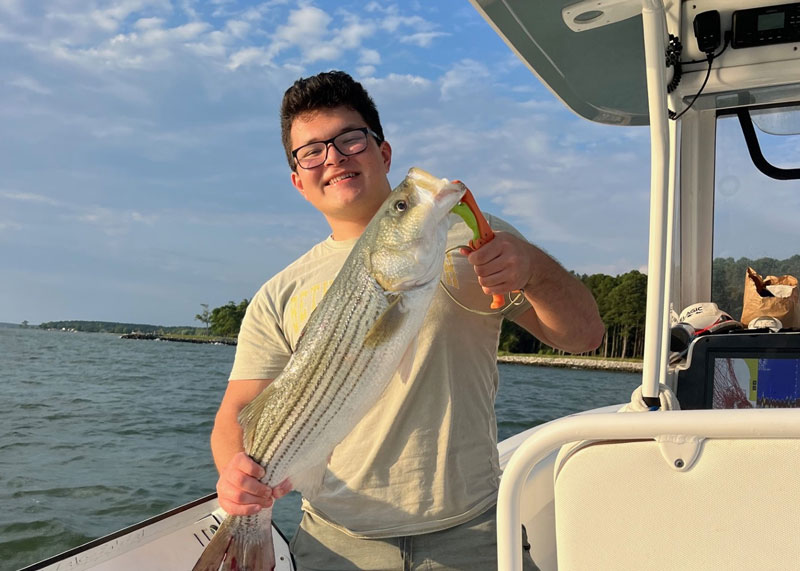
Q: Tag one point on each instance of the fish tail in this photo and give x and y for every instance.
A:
(242, 543)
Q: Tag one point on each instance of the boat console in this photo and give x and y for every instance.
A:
(741, 370)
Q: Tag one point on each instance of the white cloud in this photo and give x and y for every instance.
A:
(13, 7)
(104, 38)
(30, 84)
(148, 23)
(369, 57)
(148, 219)
(392, 22)
(249, 56)
(238, 28)
(112, 221)
(463, 76)
(397, 81)
(422, 39)
(322, 52)
(75, 23)
(8, 225)
(408, 29)
(29, 197)
(188, 8)
(307, 25)
(365, 70)
(524, 199)
(355, 31)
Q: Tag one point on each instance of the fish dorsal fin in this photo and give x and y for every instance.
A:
(387, 323)
(251, 413)
(309, 482)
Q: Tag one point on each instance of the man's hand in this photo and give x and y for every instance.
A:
(502, 264)
(563, 313)
(239, 490)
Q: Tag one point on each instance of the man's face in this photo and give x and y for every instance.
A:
(347, 189)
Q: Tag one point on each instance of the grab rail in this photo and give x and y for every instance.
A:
(743, 423)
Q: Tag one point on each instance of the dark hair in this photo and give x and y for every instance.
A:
(325, 90)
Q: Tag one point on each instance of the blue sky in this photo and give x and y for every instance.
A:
(141, 170)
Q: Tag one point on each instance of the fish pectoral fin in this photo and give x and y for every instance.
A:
(251, 413)
(387, 323)
(309, 482)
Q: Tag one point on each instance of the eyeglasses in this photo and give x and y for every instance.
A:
(348, 143)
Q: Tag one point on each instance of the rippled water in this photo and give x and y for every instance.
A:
(98, 433)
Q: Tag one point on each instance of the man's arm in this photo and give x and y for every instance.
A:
(239, 489)
(564, 313)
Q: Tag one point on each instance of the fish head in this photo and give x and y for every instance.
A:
(408, 234)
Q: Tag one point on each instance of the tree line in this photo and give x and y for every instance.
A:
(621, 301)
(221, 321)
(119, 328)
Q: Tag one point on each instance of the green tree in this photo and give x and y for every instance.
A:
(515, 339)
(204, 316)
(226, 320)
(601, 286)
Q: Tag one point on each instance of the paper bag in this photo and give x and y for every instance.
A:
(773, 296)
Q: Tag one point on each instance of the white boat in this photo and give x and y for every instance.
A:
(171, 541)
(689, 489)
(664, 489)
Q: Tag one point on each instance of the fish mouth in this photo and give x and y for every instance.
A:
(450, 194)
(337, 178)
(445, 194)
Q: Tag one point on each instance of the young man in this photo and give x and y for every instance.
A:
(416, 482)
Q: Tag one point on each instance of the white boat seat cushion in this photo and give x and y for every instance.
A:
(625, 505)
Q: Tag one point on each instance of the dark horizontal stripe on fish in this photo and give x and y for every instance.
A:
(368, 307)
(301, 385)
(325, 364)
(361, 362)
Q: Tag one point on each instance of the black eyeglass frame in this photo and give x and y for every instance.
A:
(327, 143)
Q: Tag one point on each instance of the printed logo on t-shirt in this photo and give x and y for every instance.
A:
(302, 304)
(449, 277)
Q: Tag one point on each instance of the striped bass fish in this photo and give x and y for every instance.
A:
(360, 335)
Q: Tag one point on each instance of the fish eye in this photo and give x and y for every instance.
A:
(401, 206)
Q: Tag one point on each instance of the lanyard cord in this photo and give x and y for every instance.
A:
(516, 300)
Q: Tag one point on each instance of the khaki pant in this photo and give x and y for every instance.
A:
(470, 546)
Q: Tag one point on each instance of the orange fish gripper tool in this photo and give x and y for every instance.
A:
(482, 232)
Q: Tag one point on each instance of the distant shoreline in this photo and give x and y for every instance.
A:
(563, 362)
(573, 363)
(180, 339)
(590, 363)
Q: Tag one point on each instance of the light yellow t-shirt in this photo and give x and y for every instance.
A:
(425, 457)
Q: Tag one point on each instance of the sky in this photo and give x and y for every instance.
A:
(142, 173)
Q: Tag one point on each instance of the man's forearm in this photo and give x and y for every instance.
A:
(564, 313)
(226, 441)
(226, 436)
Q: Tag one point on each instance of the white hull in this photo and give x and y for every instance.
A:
(168, 542)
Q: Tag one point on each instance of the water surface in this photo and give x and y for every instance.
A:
(98, 433)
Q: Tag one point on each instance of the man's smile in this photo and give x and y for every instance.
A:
(339, 178)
